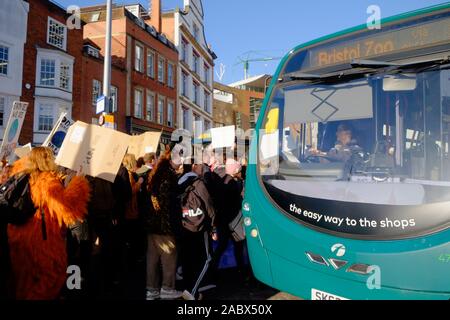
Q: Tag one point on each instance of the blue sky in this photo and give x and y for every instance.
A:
(270, 28)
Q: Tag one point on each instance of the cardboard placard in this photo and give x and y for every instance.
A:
(144, 143)
(223, 137)
(58, 134)
(97, 151)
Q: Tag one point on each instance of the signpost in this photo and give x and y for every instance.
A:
(101, 105)
(104, 103)
(109, 121)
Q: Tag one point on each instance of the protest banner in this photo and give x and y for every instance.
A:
(144, 143)
(12, 131)
(57, 135)
(223, 137)
(97, 151)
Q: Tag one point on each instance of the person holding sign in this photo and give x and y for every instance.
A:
(38, 247)
(163, 224)
(12, 131)
(132, 223)
(4, 173)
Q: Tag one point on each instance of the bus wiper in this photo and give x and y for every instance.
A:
(445, 66)
(330, 77)
(364, 64)
(300, 76)
(374, 64)
(425, 63)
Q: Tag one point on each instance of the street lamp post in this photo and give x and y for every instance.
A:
(107, 61)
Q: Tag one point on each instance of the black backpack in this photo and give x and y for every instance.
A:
(194, 216)
(15, 200)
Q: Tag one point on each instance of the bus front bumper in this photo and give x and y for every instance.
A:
(301, 281)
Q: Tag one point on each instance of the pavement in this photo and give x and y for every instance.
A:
(230, 285)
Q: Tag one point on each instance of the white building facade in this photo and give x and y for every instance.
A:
(54, 80)
(13, 33)
(53, 90)
(196, 69)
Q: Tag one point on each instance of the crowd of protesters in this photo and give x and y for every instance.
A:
(162, 212)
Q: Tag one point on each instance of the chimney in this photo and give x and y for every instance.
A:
(155, 14)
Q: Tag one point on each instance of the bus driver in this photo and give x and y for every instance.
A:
(344, 147)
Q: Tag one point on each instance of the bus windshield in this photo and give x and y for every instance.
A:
(382, 139)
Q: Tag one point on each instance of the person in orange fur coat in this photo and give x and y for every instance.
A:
(39, 265)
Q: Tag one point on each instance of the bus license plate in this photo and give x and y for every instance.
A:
(322, 295)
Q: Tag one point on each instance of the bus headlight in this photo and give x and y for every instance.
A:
(247, 222)
(246, 206)
(254, 233)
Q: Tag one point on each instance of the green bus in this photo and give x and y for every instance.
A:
(348, 183)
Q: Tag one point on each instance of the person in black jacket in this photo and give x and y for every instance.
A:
(4, 260)
(162, 227)
(4, 257)
(102, 223)
(232, 189)
(199, 222)
(121, 191)
(122, 194)
(214, 184)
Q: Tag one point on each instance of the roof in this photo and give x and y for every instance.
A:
(198, 5)
(97, 7)
(256, 81)
(91, 43)
(137, 21)
(54, 4)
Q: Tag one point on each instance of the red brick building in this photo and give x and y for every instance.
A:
(149, 61)
(92, 86)
(51, 71)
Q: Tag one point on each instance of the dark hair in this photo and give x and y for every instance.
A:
(156, 176)
(344, 127)
(140, 162)
(187, 168)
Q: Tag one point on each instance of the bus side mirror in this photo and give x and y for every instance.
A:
(399, 83)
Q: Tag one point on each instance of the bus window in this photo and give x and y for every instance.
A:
(356, 136)
(445, 86)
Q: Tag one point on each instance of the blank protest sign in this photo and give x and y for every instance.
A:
(98, 151)
(145, 143)
(223, 137)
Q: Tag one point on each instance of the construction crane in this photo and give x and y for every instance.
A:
(246, 58)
